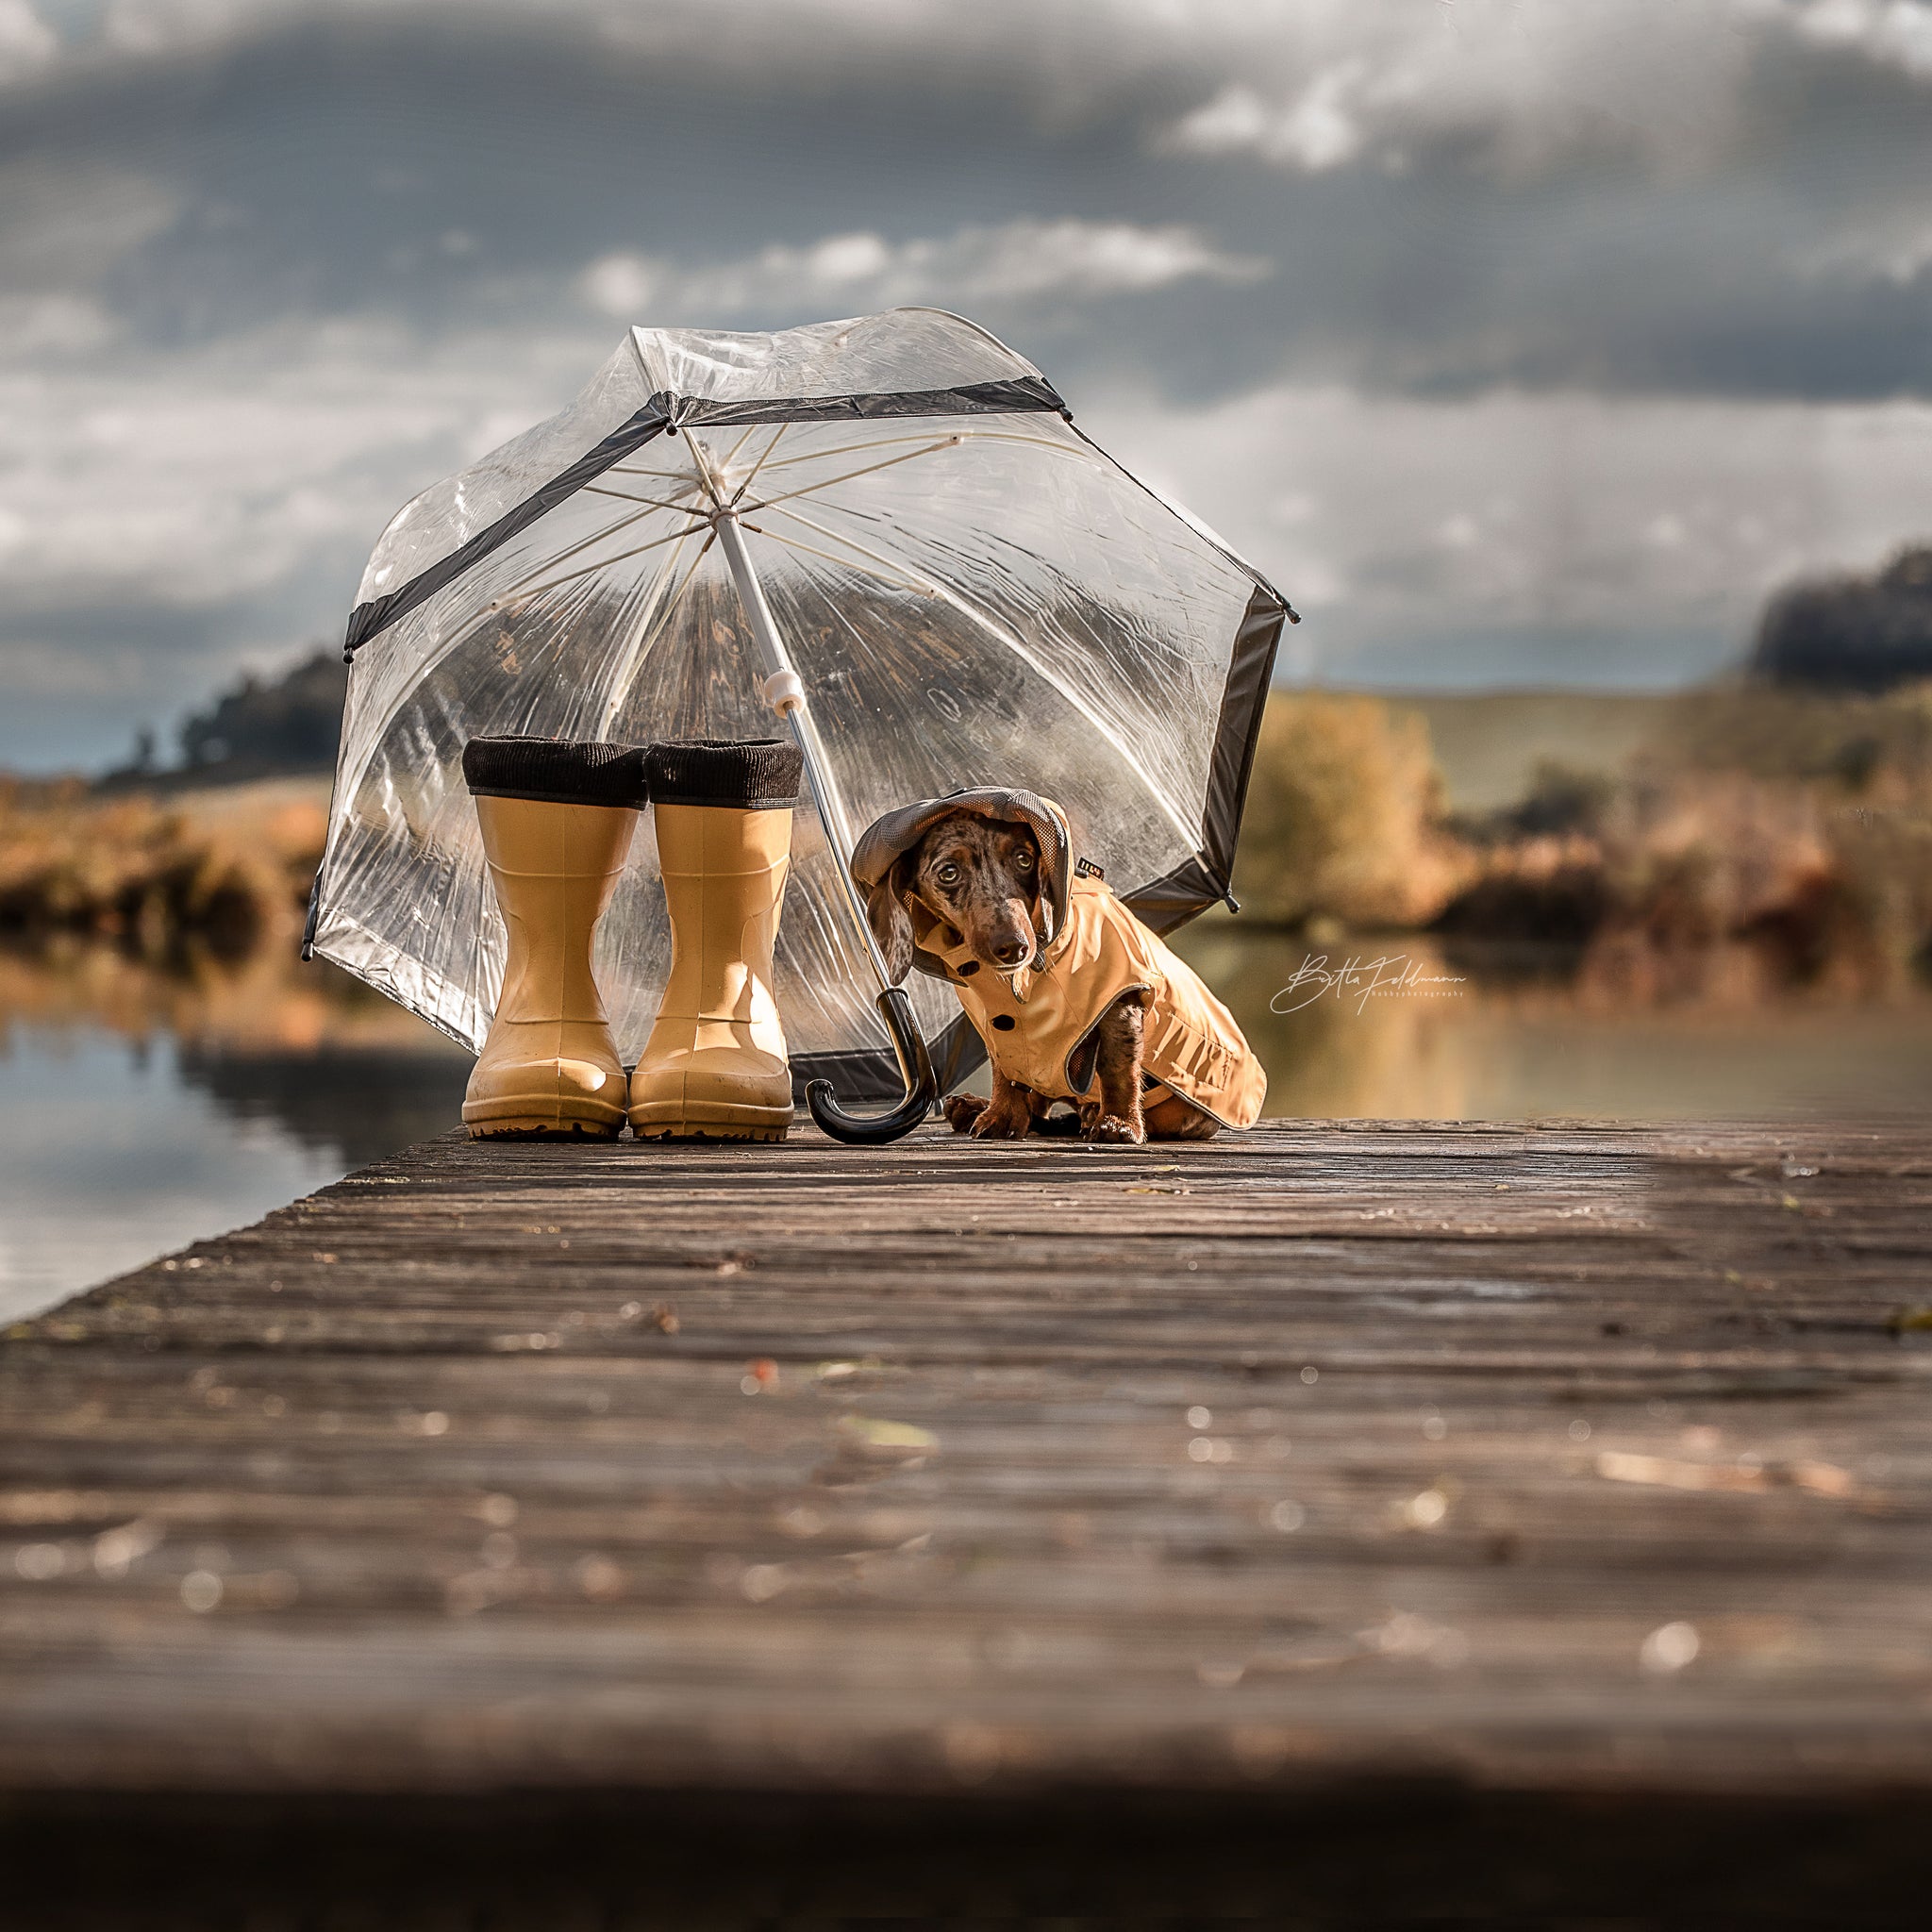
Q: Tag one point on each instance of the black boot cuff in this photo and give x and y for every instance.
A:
(556, 771)
(758, 775)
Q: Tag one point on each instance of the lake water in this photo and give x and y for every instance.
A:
(140, 1110)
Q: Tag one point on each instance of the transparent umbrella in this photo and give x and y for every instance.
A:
(887, 531)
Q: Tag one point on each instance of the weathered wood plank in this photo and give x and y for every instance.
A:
(1331, 1450)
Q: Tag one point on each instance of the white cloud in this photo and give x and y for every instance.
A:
(195, 479)
(58, 325)
(1315, 131)
(1020, 261)
(166, 26)
(1398, 524)
(1892, 33)
(1307, 84)
(1331, 83)
(27, 44)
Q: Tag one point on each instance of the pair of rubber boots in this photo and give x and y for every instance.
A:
(558, 819)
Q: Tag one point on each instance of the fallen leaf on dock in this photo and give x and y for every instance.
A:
(1819, 1478)
(843, 1371)
(116, 1551)
(867, 1436)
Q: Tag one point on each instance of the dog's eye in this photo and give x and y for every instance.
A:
(947, 875)
(1023, 861)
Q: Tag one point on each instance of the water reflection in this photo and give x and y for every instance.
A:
(354, 1104)
(141, 1110)
(1422, 1030)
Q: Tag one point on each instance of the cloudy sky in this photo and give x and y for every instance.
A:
(1520, 340)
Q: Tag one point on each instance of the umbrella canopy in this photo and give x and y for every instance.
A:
(972, 593)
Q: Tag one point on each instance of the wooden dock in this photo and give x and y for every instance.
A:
(1341, 1517)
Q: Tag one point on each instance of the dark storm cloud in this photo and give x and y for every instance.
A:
(404, 166)
(267, 268)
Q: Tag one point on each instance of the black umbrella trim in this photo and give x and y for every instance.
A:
(366, 620)
(1005, 397)
(668, 412)
(1236, 733)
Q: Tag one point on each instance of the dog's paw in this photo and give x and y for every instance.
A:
(962, 1111)
(1002, 1124)
(1111, 1128)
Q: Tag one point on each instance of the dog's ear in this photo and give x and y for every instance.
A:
(885, 911)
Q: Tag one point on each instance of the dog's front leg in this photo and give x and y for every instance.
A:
(1009, 1114)
(1117, 1117)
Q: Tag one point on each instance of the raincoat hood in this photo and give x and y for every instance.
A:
(887, 840)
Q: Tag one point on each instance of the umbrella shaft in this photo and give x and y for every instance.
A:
(796, 712)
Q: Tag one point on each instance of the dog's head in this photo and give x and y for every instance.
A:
(984, 869)
(980, 876)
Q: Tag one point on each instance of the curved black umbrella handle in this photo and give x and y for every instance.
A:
(922, 1087)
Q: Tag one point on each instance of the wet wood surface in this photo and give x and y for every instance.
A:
(1564, 1457)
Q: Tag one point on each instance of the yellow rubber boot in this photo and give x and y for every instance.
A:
(557, 820)
(714, 1066)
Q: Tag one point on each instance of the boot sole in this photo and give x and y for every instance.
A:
(533, 1121)
(719, 1120)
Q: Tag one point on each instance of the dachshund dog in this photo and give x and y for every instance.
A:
(981, 878)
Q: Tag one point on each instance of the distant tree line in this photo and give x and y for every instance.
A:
(1851, 633)
(256, 729)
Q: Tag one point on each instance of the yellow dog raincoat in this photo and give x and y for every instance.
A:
(1040, 1023)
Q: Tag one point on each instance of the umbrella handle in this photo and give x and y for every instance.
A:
(915, 1063)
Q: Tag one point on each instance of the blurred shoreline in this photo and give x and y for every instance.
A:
(1727, 848)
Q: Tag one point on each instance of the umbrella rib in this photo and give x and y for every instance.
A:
(1065, 449)
(595, 536)
(683, 583)
(1013, 641)
(650, 628)
(845, 449)
(731, 455)
(624, 497)
(912, 571)
(899, 582)
(846, 476)
(738, 494)
(702, 457)
(605, 562)
(850, 449)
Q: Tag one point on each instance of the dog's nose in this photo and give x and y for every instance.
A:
(1012, 951)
